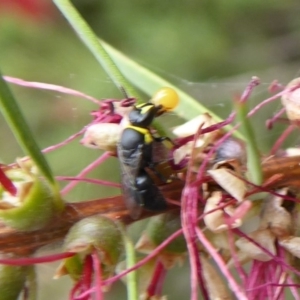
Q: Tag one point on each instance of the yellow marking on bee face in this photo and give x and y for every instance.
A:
(144, 108)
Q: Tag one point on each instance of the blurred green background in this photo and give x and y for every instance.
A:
(208, 48)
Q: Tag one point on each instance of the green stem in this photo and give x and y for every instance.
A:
(253, 156)
(131, 278)
(90, 39)
(32, 283)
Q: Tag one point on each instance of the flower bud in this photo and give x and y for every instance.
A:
(190, 128)
(33, 205)
(277, 214)
(104, 136)
(265, 238)
(95, 233)
(291, 244)
(291, 101)
(228, 179)
(215, 221)
(157, 231)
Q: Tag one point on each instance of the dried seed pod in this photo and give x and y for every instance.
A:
(190, 128)
(220, 242)
(215, 221)
(277, 214)
(291, 101)
(291, 244)
(215, 286)
(226, 178)
(104, 136)
(242, 258)
(158, 229)
(265, 238)
(182, 152)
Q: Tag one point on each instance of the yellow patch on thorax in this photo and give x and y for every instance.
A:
(144, 131)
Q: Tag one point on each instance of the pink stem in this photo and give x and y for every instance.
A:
(47, 86)
(239, 293)
(270, 122)
(89, 180)
(249, 89)
(86, 279)
(153, 253)
(278, 260)
(294, 288)
(65, 142)
(236, 261)
(7, 183)
(155, 286)
(188, 226)
(98, 276)
(268, 100)
(282, 138)
(85, 171)
(34, 260)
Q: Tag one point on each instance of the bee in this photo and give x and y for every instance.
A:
(135, 152)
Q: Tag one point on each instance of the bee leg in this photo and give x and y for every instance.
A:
(149, 193)
(151, 166)
(162, 139)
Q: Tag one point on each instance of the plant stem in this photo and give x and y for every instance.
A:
(131, 278)
(253, 155)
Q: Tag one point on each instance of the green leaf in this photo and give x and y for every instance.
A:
(150, 82)
(21, 131)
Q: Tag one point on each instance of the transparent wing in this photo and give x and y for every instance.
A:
(160, 152)
(128, 176)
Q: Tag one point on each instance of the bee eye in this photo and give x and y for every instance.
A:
(166, 97)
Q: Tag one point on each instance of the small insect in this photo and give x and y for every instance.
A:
(135, 152)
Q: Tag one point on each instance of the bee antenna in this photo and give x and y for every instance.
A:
(124, 92)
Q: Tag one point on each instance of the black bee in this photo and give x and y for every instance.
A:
(135, 152)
